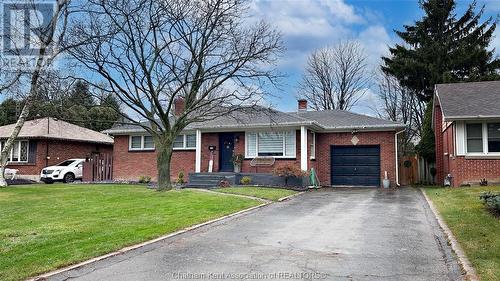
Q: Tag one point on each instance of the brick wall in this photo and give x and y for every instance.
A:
(384, 139)
(130, 165)
(52, 152)
(465, 170)
(471, 171)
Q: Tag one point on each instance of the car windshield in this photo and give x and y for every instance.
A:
(66, 163)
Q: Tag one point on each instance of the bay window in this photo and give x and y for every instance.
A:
(19, 152)
(482, 138)
(268, 143)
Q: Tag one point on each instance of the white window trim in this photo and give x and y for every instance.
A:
(313, 145)
(184, 143)
(9, 160)
(130, 148)
(485, 140)
(294, 133)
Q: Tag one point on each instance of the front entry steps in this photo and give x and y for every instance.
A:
(209, 180)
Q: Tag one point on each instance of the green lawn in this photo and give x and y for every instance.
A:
(477, 231)
(268, 193)
(43, 227)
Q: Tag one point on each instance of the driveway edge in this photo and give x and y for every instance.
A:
(291, 196)
(233, 194)
(136, 246)
(470, 272)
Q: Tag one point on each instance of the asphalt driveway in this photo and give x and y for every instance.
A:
(343, 234)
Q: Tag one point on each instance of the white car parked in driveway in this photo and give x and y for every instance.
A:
(67, 171)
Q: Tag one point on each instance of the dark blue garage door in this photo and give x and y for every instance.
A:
(355, 165)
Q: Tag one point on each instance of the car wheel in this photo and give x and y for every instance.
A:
(48, 182)
(69, 178)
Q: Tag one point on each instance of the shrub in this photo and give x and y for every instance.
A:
(288, 171)
(180, 178)
(246, 180)
(491, 201)
(224, 183)
(238, 159)
(144, 179)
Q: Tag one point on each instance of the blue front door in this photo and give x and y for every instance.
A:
(226, 144)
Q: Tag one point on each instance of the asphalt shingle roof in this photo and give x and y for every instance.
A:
(262, 117)
(469, 100)
(341, 119)
(50, 128)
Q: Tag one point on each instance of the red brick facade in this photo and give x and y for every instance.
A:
(130, 165)
(384, 139)
(51, 152)
(463, 169)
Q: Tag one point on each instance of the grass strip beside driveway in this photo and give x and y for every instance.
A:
(476, 230)
(44, 227)
(273, 194)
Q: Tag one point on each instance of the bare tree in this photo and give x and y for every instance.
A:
(399, 104)
(43, 33)
(152, 53)
(335, 77)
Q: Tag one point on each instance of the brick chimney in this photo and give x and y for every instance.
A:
(179, 105)
(302, 105)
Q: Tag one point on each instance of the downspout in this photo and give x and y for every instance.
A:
(397, 158)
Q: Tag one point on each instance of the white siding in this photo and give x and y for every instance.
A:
(460, 138)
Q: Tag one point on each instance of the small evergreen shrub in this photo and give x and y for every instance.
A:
(491, 201)
(246, 180)
(180, 178)
(144, 179)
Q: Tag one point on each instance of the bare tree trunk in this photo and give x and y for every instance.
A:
(10, 141)
(164, 155)
(46, 38)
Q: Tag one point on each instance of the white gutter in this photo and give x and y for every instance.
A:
(397, 159)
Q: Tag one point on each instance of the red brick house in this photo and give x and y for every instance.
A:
(343, 147)
(466, 121)
(48, 141)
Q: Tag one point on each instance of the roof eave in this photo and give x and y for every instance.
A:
(111, 142)
(311, 124)
(368, 128)
(470, 117)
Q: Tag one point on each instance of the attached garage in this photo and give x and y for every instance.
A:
(355, 165)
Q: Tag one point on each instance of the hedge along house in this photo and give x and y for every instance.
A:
(48, 141)
(345, 148)
(466, 121)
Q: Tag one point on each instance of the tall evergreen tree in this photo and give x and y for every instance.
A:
(80, 95)
(442, 48)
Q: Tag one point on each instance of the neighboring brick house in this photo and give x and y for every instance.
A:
(466, 122)
(346, 149)
(48, 141)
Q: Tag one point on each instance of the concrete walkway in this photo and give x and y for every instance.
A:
(342, 234)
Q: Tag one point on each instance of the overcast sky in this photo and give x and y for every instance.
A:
(310, 24)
